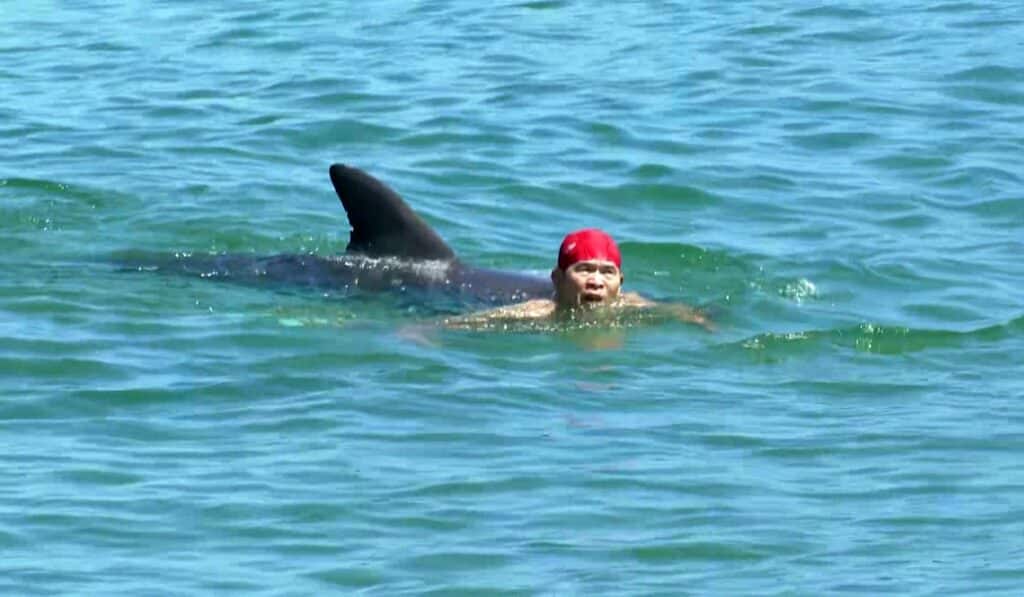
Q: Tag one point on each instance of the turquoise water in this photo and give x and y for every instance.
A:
(840, 186)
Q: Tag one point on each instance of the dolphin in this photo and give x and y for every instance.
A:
(390, 249)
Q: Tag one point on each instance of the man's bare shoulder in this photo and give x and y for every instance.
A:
(533, 309)
(632, 299)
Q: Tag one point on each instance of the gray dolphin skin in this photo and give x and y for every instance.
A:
(390, 249)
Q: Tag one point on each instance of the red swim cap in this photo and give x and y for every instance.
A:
(586, 244)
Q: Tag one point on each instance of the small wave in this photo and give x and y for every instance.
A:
(653, 254)
(957, 7)
(988, 94)
(912, 161)
(545, 4)
(591, 322)
(326, 135)
(833, 141)
(873, 338)
(988, 74)
(799, 290)
(832, 12)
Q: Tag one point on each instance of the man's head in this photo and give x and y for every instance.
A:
(589, 270)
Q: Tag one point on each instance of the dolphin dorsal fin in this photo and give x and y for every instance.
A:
(382, 224)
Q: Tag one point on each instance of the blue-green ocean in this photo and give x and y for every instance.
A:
(838, 184)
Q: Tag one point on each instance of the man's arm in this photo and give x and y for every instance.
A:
(684, 313)
(688, 314)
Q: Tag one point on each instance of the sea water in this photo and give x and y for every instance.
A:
(839, 185)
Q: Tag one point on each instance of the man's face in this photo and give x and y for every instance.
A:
(587, 283)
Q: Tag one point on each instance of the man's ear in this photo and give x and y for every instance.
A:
(556, 276)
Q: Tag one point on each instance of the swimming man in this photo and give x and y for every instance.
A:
(588, 276)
